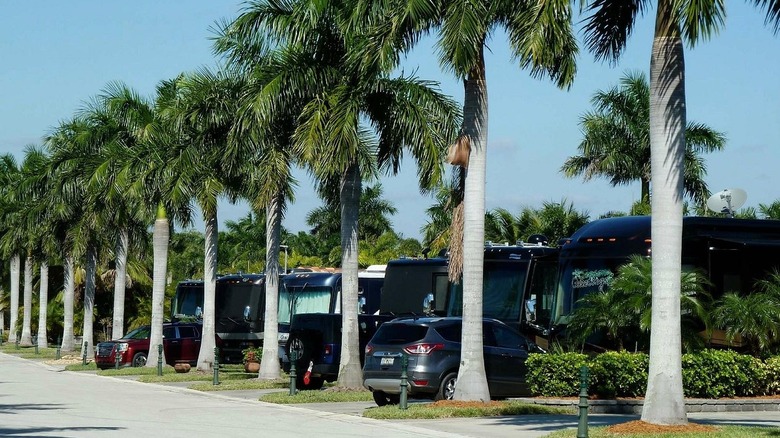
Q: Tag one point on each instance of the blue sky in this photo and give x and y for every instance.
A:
(54, 56)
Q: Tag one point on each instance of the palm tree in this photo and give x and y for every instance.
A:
(606, 32)
(317, 65)
(616, 142)
(754, 317)
(541, 39)
(770, 211)
(203, 112)
(555, 220)
(154, 145)
(58, 142)
(10, 241)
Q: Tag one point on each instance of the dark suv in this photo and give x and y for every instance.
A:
(181, 342)
(433, 349)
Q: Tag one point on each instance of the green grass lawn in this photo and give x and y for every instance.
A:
(246, 384)
(451, 409)
(318, 396)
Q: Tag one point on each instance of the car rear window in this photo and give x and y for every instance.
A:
(397, 334)
(451, 333)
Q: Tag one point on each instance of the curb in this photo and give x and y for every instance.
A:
(634, 406)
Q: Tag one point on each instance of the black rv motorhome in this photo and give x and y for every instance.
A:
(733, 253)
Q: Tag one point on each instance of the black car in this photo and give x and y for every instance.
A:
(432, 346)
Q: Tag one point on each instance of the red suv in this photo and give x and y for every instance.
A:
(181, 342)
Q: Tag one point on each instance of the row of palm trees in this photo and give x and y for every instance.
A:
(309, 84)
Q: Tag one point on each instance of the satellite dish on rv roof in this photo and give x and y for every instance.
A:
(727, 201)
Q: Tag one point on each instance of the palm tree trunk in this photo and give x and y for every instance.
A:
(206, 355)
(2, 312)
(472, 381)
(43, 301)
(15, 262)
(120, 279)
(664, 403)
(269, 364)
(350, 375)
(26, 339)
(160, 238)
(89, 302)
(68, 298)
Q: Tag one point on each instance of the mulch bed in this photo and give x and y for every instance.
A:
(464, 404)
(639, 426)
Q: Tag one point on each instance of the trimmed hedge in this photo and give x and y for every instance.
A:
(706, 374)
(555, 375)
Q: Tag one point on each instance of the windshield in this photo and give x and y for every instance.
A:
(233, 298)
(503, 287)
(139, 333)
(580, 277)
(309, 300)
(188, 299)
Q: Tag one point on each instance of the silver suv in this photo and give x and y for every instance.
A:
(432, 346)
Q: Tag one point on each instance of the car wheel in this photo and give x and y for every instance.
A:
(447, 388)
(139, 359)
(383, 399)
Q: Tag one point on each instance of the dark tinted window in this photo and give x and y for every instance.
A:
(396, 334)
(187, 332)
(506, 338)
(451, 332)
(169, 333)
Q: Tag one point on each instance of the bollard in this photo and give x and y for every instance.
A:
(159, 359)
(582, 427)
(215, 380)
(84, 355)
(117, 356)
(35, 344)
(57, 355)
(404, 381)
(1, 336)
(293, 374)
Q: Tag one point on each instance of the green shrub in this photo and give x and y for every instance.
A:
(772, 370)
(619, 374)
(555, 375)
(721, 373)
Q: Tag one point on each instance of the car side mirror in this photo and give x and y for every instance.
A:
(362, 305)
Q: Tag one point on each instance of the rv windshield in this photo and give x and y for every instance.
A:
(188, 299)
(579, 277)
(503, 287)
(308, 300)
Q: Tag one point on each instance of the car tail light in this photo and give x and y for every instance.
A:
(422, 349)
(369, 349)
(420, 382)
(328, 349)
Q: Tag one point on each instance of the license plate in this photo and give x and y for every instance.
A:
(387, 361)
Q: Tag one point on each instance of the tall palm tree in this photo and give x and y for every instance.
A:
(607, 29)
(317, 66)
(616, 141)
(66, 211)
(10, 241)
(541, 39)
(203, 112)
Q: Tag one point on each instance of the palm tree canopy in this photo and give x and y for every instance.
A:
(616, 140)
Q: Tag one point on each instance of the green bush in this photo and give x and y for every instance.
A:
(555, 375)
(772, 370)
(619, 374)
(722, 373)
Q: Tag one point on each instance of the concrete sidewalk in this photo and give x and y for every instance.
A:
(323, 419)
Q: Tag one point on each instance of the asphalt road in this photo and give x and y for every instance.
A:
(37, 400)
